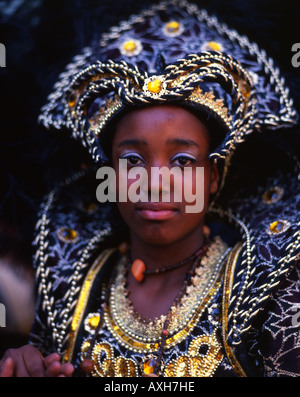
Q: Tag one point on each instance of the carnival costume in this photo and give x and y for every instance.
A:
(237, 315)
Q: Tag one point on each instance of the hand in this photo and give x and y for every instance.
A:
(54, 368)
(27, 361)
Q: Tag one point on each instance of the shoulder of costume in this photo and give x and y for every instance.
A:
(72, 231)
(268, 219)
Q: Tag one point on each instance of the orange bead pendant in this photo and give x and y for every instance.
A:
(137, 269)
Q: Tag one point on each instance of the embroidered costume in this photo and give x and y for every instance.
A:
(238, 315)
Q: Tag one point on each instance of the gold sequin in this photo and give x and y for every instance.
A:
(196, 364)
(122, 319)
(106, 364)
(208, 99)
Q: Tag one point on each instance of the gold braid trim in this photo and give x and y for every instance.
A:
(82, 302)
(228, 281)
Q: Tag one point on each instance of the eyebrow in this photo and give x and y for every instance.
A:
(185, 142)
(134, 142)
(174, 141)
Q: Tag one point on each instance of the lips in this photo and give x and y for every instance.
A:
(156, 211)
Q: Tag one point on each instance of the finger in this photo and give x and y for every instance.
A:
(34, 363)
(54, 369)
(67, 369)
(51, 358)
(7, 368)
(21, 370)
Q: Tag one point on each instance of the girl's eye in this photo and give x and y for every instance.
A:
(132, 159)
(183, 160)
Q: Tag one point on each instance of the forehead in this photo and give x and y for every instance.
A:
(161, 122)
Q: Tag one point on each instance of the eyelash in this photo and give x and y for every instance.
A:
(129, 156)
(192, 160)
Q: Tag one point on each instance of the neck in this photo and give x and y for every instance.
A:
(159, 256)
(156, 293)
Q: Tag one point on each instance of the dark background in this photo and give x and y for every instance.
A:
(40, 37)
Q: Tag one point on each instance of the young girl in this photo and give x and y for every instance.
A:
(146, 287)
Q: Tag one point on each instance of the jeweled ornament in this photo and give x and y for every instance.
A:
(131, 47)
(68, 235)
(273, 195)
(173, 28)
(278, 227)
(213, 45)
(154, 86)
(149, 366)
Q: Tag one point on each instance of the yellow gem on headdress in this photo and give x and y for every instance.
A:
(172, 27)
(129, 46)
(213, 45)
(154, 86)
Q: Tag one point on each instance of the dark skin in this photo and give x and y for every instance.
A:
(161, 235)
(156, 137)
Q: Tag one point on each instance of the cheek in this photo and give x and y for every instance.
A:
(124, 204)
(195, 185)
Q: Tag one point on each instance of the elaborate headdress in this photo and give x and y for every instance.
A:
(171, 53)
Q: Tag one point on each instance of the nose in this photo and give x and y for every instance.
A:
(160, 183)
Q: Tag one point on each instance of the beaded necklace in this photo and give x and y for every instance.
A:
(154, 365)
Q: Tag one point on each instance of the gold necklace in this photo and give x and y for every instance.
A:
(122, 319)
(200, 286)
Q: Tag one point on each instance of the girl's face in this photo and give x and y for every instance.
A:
(164, 136)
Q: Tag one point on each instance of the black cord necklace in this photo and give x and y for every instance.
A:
(87, 365)
(139, 270)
